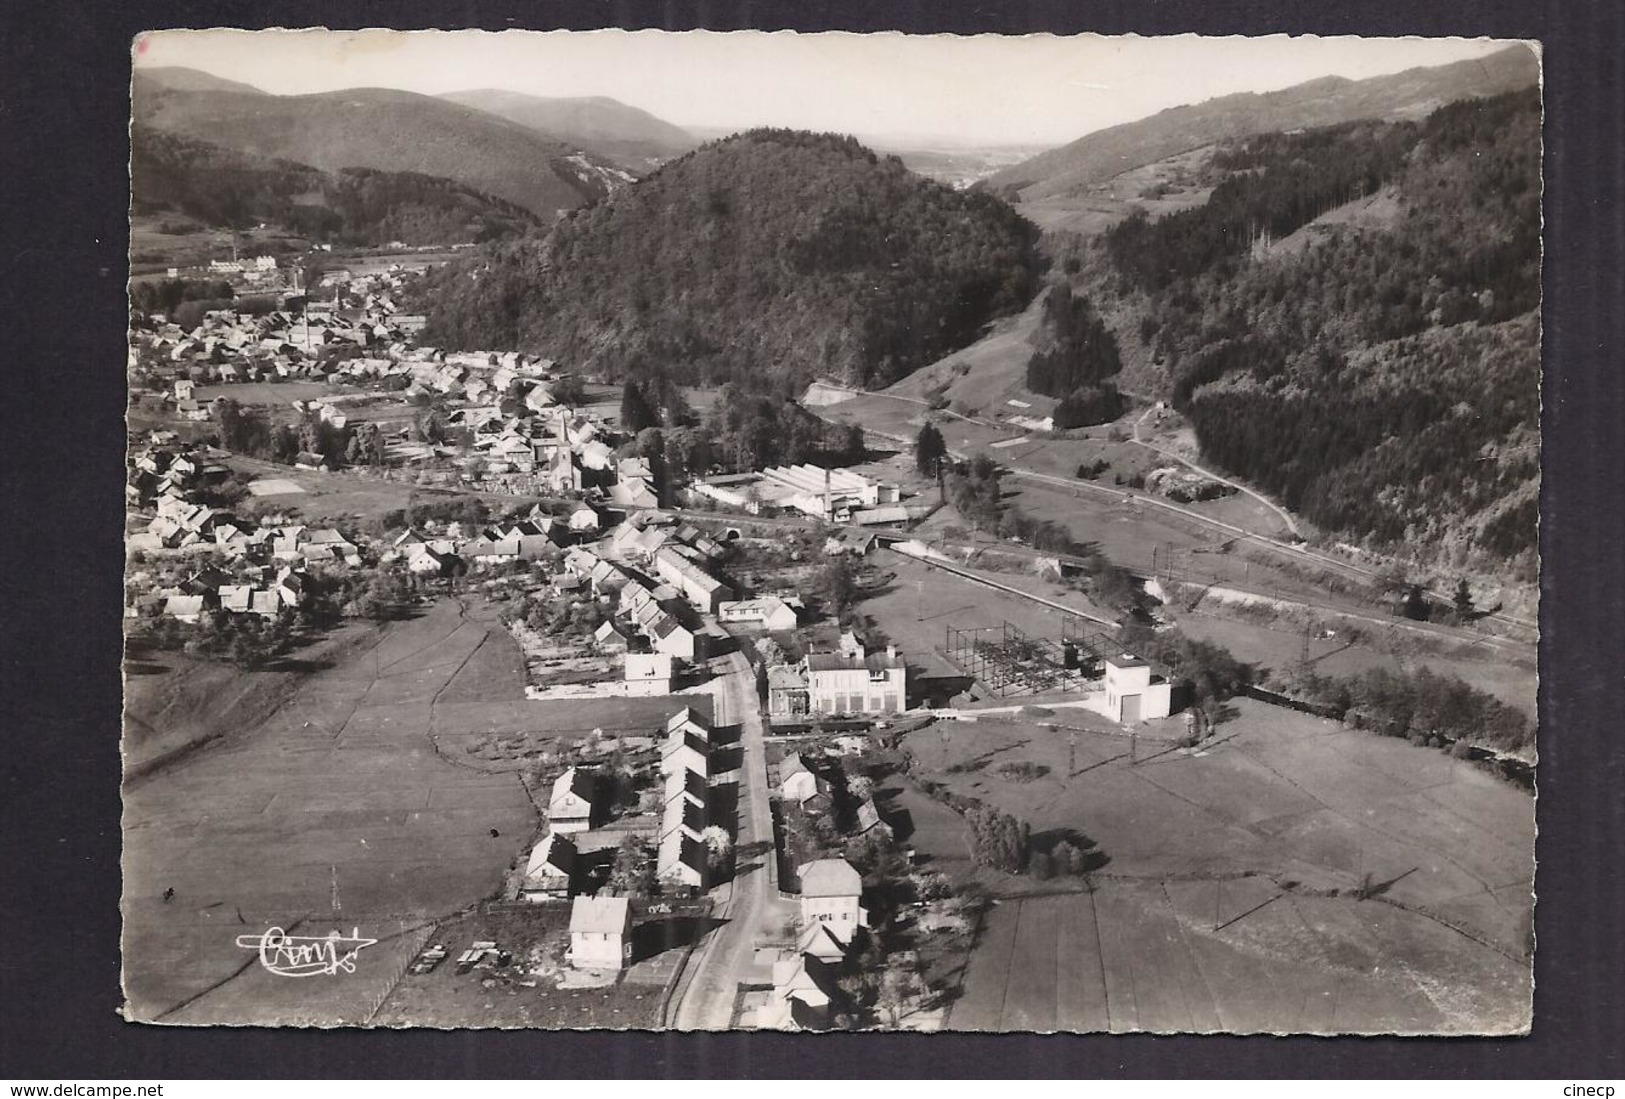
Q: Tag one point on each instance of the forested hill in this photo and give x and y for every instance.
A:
(1379, 373)
(358, 206)
(768, 258)
(385, 129)
(1099, 156)
(634, 138)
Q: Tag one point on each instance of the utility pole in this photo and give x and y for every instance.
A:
(1071, 754)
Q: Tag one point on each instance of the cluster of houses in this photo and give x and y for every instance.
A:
(850, 680)
(268, 562)
(429, 556)
(573, 808)
(661, 580)
(293, 342)
(262, 590)
(694, 763)
(831, 917)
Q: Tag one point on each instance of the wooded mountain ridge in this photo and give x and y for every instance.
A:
(383, 129)
(1379, 377)
(768, 258)
(633, 138)
(1411, 94)
(223, 188)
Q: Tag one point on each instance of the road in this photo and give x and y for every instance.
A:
(723, 961)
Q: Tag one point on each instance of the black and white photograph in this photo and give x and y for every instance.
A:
(738, 531)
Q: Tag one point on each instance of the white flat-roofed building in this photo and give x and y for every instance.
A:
(648, 674)
(1133, 692)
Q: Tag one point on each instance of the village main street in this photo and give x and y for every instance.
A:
(705, 998)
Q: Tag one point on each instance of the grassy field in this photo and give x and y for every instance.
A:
(339, 497)
(330, 809)
(1280, 646)
(279, 395)
(1232, 895)
(173, 702)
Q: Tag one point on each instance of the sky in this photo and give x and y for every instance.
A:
(979, 90)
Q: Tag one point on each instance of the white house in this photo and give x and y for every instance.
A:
(830, 891)
(796, 782)
(671, 637)
(648, 674)
(569, 809)
(767, 612)
(854, 681)
(803, 986)
(1133, 693)
(601, 933)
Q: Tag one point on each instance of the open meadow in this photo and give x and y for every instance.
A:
(1288, 875)
(329, 810)
(326, 496)
(347, 798)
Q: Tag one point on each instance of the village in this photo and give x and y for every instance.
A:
(728, 696)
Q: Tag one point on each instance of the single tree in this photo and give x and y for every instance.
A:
(633, 872)
(635, 411)
(929, 450)
(1463, 600)
(854, 449)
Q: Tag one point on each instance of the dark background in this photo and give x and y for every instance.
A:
(64, 73)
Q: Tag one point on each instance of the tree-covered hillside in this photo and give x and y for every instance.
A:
(1382, 379)
(770, 257)
(227, 189)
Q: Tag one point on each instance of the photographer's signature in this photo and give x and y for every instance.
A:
(306, 955)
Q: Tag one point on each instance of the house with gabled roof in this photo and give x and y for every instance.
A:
(767, 612)
(601, 932)
(185, 608)
(571, 806)
(698, 586)
(610, 638)
(797, 782)
(549, 870)
(804, 985)
(830, 894)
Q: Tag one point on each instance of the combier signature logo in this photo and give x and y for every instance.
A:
(306, 955)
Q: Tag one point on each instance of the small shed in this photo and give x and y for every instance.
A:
(1133, 692)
